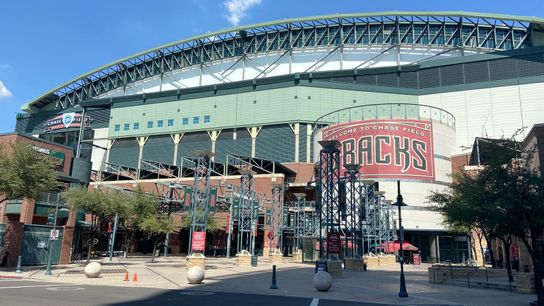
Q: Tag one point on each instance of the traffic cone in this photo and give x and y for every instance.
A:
(135, 278)
(126, 277)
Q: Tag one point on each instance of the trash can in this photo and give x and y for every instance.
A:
(254, 259)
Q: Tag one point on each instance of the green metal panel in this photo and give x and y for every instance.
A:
(193, 142)
(227, 143)
(256, 108)
(159, 148)
(302, 144)
(276, 142)
(33, 239)
(125, 152)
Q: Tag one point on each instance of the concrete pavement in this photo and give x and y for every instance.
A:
(293, 279)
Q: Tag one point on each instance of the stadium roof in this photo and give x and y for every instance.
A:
(450, 29)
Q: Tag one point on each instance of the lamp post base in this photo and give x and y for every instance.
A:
(48, 268)
(402, 292)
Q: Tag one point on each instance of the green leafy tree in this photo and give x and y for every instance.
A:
(157, 227)
(25, 172)
(503, 199)
(100, 205)
(141, 207)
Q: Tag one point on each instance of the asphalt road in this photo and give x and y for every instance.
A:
(29, 293)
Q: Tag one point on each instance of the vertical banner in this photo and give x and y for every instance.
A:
(333, 242)
(198, 242)
(213, 197)
(400, 148)
(188, 194)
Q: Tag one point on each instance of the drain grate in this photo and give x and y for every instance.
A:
(104, 271)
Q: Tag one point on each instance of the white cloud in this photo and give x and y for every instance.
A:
(4, 91)
(237, 9)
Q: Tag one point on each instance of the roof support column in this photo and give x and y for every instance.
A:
(213, 137)
(295, 127)
(109, 145)
(141, 143)
(176, 138)
(309, 131)
(253, 132)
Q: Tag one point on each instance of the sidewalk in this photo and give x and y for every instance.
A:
(293, 279)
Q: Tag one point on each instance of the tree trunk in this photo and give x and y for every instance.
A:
(506, 242)
(537, 275)
(490, 249)
(154, 250)
(94, 227)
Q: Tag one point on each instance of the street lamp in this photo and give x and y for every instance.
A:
(399, 204)
(48, 268)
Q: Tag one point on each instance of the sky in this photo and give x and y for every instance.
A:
(45, 43)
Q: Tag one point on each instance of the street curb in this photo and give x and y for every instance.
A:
(10, 277)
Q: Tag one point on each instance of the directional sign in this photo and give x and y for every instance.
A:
(54, 234)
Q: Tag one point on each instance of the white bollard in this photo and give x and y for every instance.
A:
(93, 270)
(322, 281)
(195, 275)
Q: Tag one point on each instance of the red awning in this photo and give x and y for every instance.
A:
(392, 246)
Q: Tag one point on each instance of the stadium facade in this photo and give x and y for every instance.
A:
(265, 94)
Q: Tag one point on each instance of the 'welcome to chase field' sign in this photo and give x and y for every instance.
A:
(386, 149)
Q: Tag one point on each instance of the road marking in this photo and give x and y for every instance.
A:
(197, 293)
(29, 286)
(315, 302)
(65, 288)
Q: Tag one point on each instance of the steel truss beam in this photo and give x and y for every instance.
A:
(248, 213)
(200, 197)
(276, 218)
(459, 30)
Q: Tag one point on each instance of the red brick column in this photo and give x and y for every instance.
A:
(66, 247)
(27, 211)
(13, 240)
(3, 208)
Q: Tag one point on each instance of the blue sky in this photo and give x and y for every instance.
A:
(46, 43)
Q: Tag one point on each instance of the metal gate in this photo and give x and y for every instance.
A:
(36, 244)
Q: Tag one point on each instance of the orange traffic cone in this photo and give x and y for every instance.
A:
(135, 278)
(126, 277)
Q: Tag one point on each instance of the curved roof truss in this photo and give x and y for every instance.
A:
(450, 30)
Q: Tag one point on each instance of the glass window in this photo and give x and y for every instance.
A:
(136, 126)
(149, 124)
(126, 126)
(117, 127)
(196, 120)
(170, 122)
(207, 119)
(185, 121)
(159, 123)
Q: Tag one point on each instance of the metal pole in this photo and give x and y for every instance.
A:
(113, 235)
(48, 268)
(400, 203)
(229, 237)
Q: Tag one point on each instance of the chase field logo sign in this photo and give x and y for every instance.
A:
(386, 148)
(66, 121)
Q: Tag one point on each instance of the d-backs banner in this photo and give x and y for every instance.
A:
(400, 148)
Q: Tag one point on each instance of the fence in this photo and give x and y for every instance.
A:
(470, 276)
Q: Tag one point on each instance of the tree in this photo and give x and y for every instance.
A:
(211, 225)
(100, 205)
(157, 227)
(142, 206)
(25, 172)
(503, 199)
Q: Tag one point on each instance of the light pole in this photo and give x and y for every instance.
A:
(399, 204)
(48, 268)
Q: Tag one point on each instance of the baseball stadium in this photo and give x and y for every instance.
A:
(294, 129)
